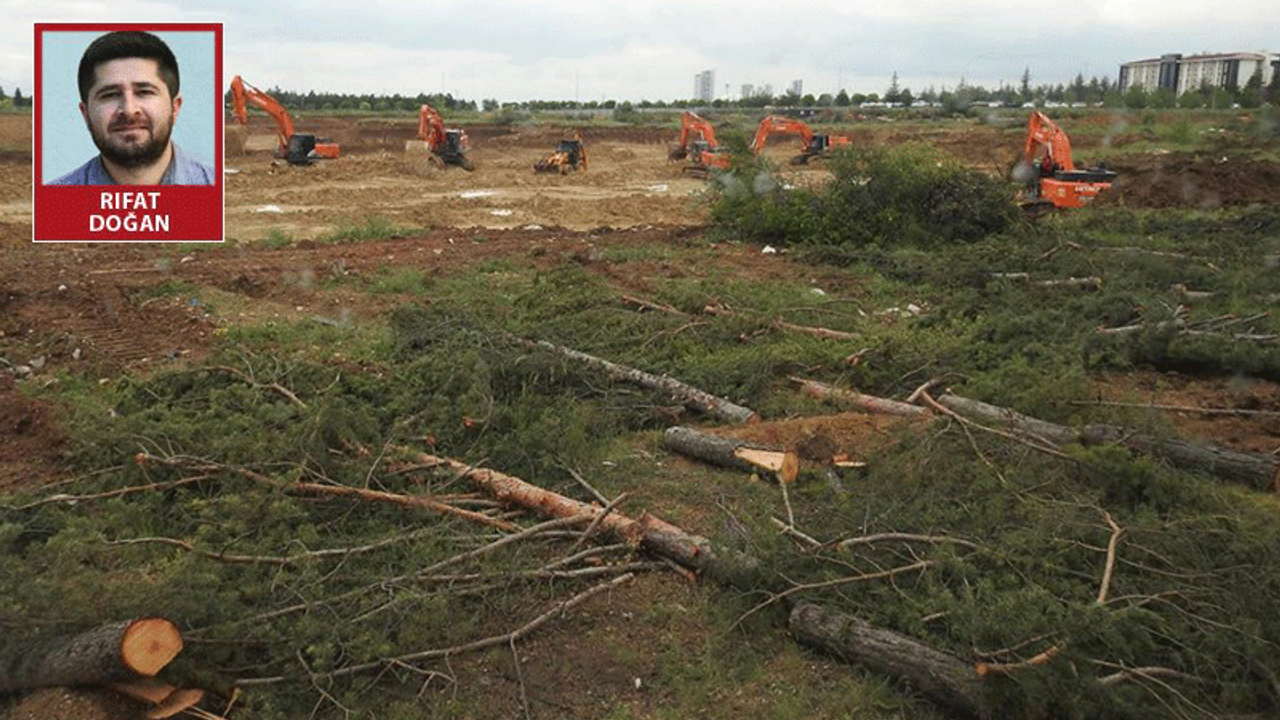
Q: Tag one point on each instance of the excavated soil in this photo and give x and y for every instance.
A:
(94, 309)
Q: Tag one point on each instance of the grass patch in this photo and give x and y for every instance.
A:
(371, 227)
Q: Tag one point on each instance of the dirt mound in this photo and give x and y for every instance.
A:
(1170, 180)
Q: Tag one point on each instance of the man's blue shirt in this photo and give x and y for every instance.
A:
(183, 170)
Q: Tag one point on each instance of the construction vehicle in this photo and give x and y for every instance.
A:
(702, 151)
(294, 147)
(570, 154)
(448, 146)
(812, 145)
(1050, 173)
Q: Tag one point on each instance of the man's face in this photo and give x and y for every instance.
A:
(129, 112)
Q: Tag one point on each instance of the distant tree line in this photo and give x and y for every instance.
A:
(367, 102)
(1092, 92)
(17, 101)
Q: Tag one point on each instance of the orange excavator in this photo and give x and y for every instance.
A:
(1051, 175)
(702, 151)
(448, 146)
(813, 145)
(570, 154)
(297, 148)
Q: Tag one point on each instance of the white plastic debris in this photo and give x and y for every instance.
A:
(269, 208)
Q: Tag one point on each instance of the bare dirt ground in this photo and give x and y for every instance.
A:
(90, 308)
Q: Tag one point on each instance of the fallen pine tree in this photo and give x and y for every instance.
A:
(1254, 470)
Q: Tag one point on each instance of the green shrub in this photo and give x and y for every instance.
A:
(908, 195)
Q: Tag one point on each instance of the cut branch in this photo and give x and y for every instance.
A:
(482, 644)
(277, 388)
(412, 501)
(686, 395)
(780, 324)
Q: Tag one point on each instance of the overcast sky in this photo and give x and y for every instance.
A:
(651, 49)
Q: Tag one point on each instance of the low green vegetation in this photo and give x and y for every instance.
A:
(912, 195)
(372, 227)
(205, 493)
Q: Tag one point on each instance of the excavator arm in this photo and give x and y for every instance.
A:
(1046, 140)
(243, 93)
(772, 124)
(297, 148)
(430, 127)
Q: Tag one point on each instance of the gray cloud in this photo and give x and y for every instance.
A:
(557, 50)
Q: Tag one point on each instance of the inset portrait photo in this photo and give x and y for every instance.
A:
(128, 133)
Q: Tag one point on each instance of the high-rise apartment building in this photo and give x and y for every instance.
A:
(1180, 73)
(704, 86)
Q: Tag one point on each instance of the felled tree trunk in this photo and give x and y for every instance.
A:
(726, 452)
(944, 678)
(118, 652)
(666, 540)
(859, 401)
(1252, 469)
(686, 395)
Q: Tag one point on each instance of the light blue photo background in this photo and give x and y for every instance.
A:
(65, 143)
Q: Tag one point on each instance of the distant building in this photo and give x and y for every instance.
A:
(748, 91)
(704, 86)
(1181, 73)
(797, 88)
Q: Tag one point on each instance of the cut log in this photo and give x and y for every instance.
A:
(859, 401)
(726, 452)
(944, 678)
(686, 395)
(1255, 470)
(117, 652)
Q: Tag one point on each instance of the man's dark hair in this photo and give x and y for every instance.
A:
(127, 44)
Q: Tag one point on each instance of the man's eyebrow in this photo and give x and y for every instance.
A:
(142, 84)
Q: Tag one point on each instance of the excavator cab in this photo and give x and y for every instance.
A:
(572, 150)
(454, 148)
(300, 149)
(304, 149)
